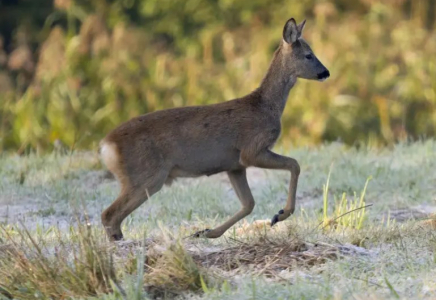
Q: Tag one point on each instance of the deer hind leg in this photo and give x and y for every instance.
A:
(130, 198)
(238, 179)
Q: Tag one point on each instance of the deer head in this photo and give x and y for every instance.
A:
(297, 56)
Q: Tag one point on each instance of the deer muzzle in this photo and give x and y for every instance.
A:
(323, 75)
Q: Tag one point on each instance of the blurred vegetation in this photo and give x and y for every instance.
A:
(72, 70)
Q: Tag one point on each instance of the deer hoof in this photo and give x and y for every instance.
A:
(201, 233)
(276, 219)
(117, 237)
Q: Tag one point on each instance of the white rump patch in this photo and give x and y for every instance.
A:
(109, 155)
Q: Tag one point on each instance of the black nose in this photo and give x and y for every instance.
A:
(324, 75)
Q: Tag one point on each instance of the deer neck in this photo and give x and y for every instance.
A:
(276, 85)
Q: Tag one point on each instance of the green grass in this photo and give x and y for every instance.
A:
(52, 245)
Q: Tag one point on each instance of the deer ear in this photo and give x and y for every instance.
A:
(290, 31)
(300, 27)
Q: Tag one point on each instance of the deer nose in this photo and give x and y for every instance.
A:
(323, 75)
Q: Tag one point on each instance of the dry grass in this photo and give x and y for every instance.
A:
(269, 258)
(75, 266)
(173, 272)
(83, 265)
(430, 222)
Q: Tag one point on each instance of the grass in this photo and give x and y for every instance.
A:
(347, 213)
(52, 245)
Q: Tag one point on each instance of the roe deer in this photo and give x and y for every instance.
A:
(153, 149)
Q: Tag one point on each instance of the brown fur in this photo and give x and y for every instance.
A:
(151, 150)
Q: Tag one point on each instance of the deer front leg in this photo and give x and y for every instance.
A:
(238, 179)
(269, 160)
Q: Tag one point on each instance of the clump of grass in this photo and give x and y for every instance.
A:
(174, 271)
(269, 256)
(430, 222)
(347, 213)
(133, 285)
(34, 268)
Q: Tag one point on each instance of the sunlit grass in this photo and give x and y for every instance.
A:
(346, 212)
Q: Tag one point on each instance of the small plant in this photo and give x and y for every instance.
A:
(347, 212)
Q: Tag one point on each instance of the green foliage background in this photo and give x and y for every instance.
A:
(98, 63)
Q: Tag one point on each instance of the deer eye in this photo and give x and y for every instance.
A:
(309, 56)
